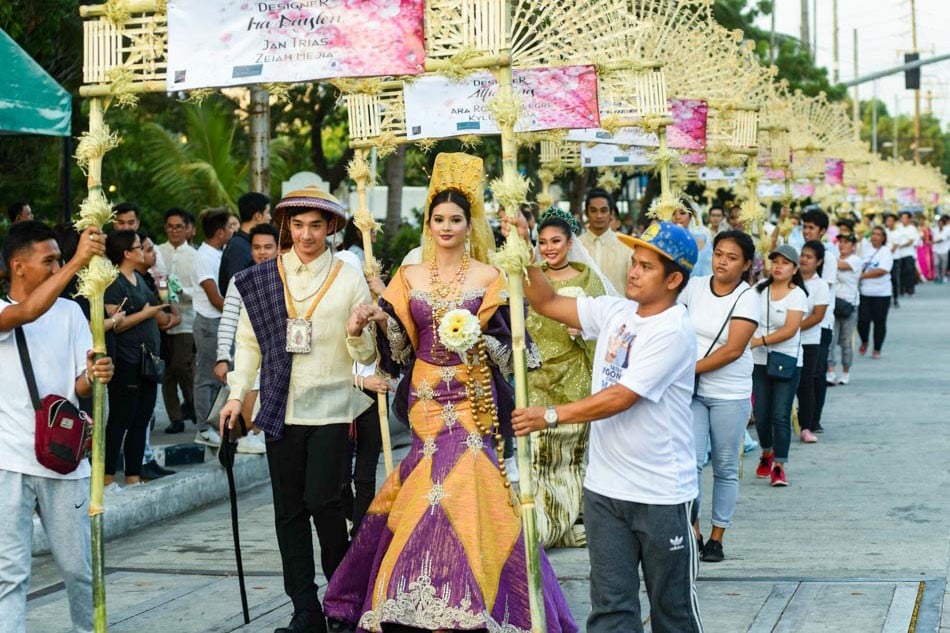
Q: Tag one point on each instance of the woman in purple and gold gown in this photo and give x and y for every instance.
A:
(441, 547)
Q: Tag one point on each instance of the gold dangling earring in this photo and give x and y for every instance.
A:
(468, 244)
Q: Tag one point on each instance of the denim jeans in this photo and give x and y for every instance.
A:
(844, 341)
(63, 506)
(206, 383)
(622, 536)
(773, 410)
(723, 422)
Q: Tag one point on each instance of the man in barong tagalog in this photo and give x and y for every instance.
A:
(297, 329)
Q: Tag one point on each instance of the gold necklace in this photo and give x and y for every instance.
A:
(444, 297)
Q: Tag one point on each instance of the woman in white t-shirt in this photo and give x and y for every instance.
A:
(724, 311)
(783, 302)
(846, 296)
(875, 286)
(810, 262)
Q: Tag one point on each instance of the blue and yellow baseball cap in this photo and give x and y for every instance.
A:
(669, 240)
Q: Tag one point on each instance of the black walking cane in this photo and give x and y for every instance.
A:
(226, 457)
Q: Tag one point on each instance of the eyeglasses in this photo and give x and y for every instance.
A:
(174, 227)
(137, 248)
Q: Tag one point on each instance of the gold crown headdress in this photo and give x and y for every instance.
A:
(463, 173)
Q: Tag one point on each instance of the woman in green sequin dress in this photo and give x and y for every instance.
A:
(566, 361)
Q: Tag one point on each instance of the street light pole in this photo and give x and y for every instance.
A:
(913, 33)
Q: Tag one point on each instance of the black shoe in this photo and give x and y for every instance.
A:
(152, 470)
(175, 427)
(712, 552)
(338, 626)
(819, 429)
(305, 622)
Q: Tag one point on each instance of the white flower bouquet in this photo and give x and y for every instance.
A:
(459, 330)
(575, 292)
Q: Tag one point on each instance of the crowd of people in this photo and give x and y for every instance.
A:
(651, 350)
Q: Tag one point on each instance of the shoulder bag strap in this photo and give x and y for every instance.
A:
(27, 368)
(725, 323)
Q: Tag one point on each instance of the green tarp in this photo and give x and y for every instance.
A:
(31, 102)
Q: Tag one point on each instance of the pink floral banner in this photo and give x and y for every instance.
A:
(216, 43)
(688, 131)
(906, 195)
(551, 98)
(774, 174)
(834, 171)
(803, 189)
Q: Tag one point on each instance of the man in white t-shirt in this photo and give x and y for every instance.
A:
(179, 257)
(641, 479)
(895, 237)
(208, 304)
(907, 253)
(59, 344)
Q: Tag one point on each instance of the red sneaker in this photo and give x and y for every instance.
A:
(765, 466)
(778, 476)
(863, 350)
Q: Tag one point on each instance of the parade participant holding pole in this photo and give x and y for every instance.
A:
(58, 344)
(441, 547)
(641, 478)
(297, 330)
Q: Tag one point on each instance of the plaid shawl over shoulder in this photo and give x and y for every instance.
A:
(263, 296)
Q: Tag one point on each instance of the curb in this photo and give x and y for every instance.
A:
(188, 489)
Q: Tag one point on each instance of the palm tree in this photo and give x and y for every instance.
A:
(205, 165)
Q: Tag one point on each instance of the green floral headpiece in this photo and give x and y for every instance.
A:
(556, 213)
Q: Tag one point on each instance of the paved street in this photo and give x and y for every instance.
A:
(859, 541)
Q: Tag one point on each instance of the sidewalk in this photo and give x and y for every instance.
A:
(859, 541)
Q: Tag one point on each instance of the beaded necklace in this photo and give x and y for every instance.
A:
(445, 297)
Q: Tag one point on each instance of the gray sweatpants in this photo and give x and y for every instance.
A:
(622, 536)
(63, 506)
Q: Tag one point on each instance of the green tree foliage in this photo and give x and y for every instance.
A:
(51, 33)
(934, 140)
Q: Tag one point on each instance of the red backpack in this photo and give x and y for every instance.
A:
(63, 432)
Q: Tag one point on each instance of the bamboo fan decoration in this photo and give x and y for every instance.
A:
(124, 44)
(124, 47)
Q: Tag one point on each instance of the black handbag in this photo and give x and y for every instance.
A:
(843, 309)
(152, 366)
(778, 365)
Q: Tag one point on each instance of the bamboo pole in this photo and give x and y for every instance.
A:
(519, 363)
(96, 310)
(364, 221)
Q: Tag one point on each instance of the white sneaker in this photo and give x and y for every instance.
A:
(112, 489)
(830, 378)
(252, 443)
(208, 436)
(845, 379)
(511, 467)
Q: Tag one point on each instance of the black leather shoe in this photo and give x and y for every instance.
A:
(339, 626)
(151, 470)
(305, 622)
(175, 427)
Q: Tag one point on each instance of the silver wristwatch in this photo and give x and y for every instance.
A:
(550, 417)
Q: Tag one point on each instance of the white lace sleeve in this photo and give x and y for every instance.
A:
(500, 355)
(398, 341)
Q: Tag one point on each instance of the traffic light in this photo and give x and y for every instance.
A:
(912, 76)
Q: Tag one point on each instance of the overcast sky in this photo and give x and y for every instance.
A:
(884, 34)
